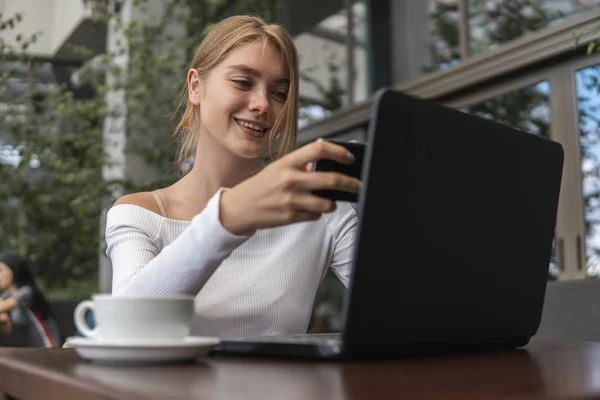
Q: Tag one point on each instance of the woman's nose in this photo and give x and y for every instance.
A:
(259, 102)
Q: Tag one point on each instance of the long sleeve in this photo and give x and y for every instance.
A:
(141, 267)
(346, 228)
(23, 296)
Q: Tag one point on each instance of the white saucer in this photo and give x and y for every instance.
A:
(156, 352)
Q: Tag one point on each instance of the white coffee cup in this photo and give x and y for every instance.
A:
(136, 319)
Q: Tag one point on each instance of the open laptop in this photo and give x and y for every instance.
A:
(456, 224)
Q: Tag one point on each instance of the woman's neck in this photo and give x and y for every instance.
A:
(215, 167)
(12, 289)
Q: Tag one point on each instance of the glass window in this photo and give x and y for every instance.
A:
(493, 22)
(443, 28)
(527, 109)
(323, 55)
(588, 100)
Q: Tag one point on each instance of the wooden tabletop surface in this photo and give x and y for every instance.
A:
(540, 370)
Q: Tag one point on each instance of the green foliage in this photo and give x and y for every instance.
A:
(444, 46)
(593, 46)
(512, 22)
(52, 191)
(517, 109)
(331, 95)
(73, 289)
(490, 24)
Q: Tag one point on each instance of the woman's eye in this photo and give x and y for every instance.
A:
(241, 83)
(280, 95)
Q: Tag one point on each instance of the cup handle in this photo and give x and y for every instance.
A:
(79, 318)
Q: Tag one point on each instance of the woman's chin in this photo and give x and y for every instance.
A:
(249, 151)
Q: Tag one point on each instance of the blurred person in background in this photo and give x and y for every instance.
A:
(23, 307)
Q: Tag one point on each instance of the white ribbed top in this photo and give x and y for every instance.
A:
(263, 284)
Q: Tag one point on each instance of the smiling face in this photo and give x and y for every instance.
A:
(241, 97)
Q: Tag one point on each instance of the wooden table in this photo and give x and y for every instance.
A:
(540, 370)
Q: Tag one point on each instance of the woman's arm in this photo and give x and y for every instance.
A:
(22, 297)
(140, 267)
(5, 325)
(278, 195)
(345, 232)
(8, 304)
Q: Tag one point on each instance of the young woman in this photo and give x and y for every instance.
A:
(23, 306)
(251, 242)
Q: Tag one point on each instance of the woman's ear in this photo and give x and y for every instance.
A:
(194, 86)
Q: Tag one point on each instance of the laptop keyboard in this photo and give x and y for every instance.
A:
(312, 338)
(319, 338)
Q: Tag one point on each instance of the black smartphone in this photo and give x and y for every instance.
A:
(354, 169)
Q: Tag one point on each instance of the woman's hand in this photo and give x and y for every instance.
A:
(281, 193)
(5, 325)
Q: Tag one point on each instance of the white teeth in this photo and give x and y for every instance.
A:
(249, 125)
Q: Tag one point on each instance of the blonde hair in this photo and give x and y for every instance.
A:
(220, 41)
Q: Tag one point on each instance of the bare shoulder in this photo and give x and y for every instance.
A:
(142, 199)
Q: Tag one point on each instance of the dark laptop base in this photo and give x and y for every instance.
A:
(278, 347)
